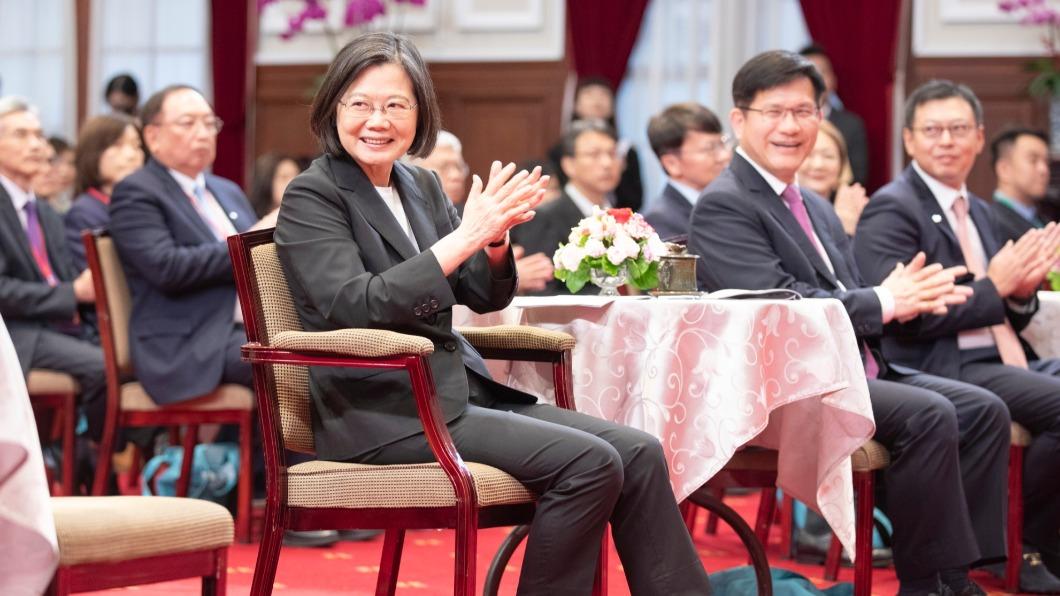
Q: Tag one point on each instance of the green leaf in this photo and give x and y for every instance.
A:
(1054, 280)
(648, 279)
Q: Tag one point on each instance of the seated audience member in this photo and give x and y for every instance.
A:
(827, 172)
(595, 100)
(1021, 163)
(122, 95)
(592, 167)
(849, 124)
(169, 221)
(359, 244)
(688, 140)
(756, 228)
(272, 173)
(447, 160)
(928, 208)
(55, 182)
(108, 150)
(40, 289)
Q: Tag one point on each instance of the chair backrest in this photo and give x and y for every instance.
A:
(267, 297)
(113, 302)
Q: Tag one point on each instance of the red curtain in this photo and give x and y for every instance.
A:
(230, 47)
(602, 34)
(861, 39)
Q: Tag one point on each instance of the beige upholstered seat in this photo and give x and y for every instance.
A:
(110, 529)
(226, 397)
(331, 484)
(1021, 437)
(40, 381)
(870, 456)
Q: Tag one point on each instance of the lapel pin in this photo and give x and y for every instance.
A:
(935, 217)
(232, 214)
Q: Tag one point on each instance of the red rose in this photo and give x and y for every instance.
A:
(621, 215)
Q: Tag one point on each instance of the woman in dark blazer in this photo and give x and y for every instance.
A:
(368, 241)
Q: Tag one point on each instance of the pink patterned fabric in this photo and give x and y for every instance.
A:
(709, 376)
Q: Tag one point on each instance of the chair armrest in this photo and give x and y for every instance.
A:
(517, 337)
(362, 343)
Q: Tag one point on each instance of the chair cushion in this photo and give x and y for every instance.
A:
(226, 397)
(870, 456)
(362, 486)
(107, 529)
(1021, 437)
(41, 382)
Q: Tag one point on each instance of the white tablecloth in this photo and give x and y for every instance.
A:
(1043, 332)
(708, 376)
(28, 549)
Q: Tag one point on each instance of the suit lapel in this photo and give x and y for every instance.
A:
(15, 231)
(181, 202)
(348, 175)
(980, 213)
(416, 207)
(232, 207)
(842, 273)
(932, 208)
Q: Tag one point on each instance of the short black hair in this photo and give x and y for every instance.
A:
(580, 127)
(668, 128)
(153, 106)
(265, 167)
(124, 83)
(772, 69)
(937, 89)
(366, 51)
(813, 49)
(60, 145)
(1006, 139)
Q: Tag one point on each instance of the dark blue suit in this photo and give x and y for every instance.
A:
(749, 239)
(182, 336)
(669, 214)
(904, 217)
(86, 213)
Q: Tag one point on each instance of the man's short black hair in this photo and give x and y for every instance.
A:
(667, 129)
(937, 89)
(813, 49)
(772, 69)
(580, 127)
(124, 83)
(1006, 140)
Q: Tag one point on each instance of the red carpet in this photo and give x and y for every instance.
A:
(350, 567)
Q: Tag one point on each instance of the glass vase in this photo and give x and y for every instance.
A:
(608, 283)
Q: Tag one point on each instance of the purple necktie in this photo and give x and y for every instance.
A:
(793, 198)
(37, 245)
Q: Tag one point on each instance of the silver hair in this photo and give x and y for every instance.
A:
(9, 104)
(448, 139)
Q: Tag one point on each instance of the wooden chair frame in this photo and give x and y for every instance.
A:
(64, 408)
(210, 565)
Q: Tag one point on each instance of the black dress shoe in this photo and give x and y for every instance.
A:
(1035, 577)
(310, 538)
(968, 589)
(358, 535)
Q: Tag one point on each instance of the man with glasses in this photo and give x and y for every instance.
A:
(593, 169)
(169, 221)
(692, 150)
(756, 228)
(929, 208)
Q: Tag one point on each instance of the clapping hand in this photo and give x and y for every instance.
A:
(506, 200)
(924, 289)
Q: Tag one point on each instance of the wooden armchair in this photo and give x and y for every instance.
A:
(129, 405)
(448, 493)
(58, 391)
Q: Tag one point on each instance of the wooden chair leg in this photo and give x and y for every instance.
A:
(215, 584)
(1015, 518)
(191, 436)
(832, 559)
(105, 457)
(689, 512)
(466, 544)
(712, 518)
(766, 507)
(69, 418)
(864, 485)
(390, 562)
(787, 526)
(245, 486)
(268, 552)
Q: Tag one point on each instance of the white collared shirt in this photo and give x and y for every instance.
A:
(19, 198)
(945, 196)
(582, 202)
(777, 185)
(690, 194)
(188, 185)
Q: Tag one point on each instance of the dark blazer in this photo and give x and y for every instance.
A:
(669, 214)
(550, 227)
(350, 264)
(853, 129)
(749, 239)
(1010, 224)
(86, 213)
(28, 304)
(180, 278)
(903, 218)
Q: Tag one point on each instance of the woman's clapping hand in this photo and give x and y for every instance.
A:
(506, 200)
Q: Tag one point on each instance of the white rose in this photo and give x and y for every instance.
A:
(616, 255)
(570, 257)
(627, 245)
(654, 248)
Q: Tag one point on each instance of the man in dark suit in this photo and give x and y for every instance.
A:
(757, 229)
(169, 221)
(692, 150)
(592, 168)
(849, 124)
(928, 208)
(41, 291)
(1021, 162)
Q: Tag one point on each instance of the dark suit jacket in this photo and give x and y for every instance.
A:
(749, 239)
(86, 213)
(1010, 225)
(853, 129)
(350, 264)
(903, 218)
(28, 304)
(669, 214)
(550, 228)
(180, 278)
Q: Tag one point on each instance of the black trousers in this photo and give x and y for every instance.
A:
(1033, 399)
(588, 472)
(83, 361)
(945, 488)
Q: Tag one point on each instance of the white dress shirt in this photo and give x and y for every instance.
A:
(582, 202)
(393, 202)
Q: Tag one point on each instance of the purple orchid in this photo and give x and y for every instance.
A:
(358, 12)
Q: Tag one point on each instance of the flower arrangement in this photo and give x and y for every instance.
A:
(1036, 12)
(357, 13)
(616, 244)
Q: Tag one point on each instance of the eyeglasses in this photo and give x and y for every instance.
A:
(213, 124)
(23, 134)
(598, 155)
(957, 130)
(776, 114)
(711, 148)
(395, 109)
